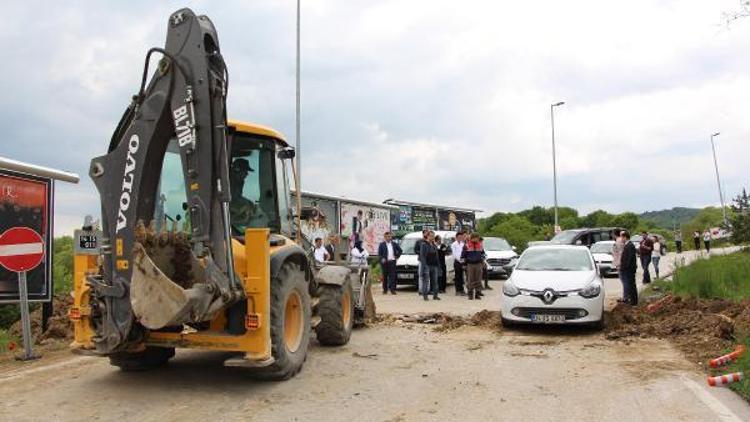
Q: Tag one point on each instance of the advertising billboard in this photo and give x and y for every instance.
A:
(366, 223)
(456, 220)
(26, 201)
(423, 218)
(319, 218)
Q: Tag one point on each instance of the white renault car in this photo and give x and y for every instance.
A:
(554, 284)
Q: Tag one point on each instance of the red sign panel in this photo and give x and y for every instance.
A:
(26, 201)
(21, 249)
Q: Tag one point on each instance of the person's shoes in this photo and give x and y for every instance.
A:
(385, 292)
(621, 301)
(471, 295)
(479, 294)
(442, 291)
(393, 292)
(436, 298)
(487, 286)
(426, 298)
(479, 297)
(460, 293)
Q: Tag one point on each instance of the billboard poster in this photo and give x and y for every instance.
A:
(319, 218)
(456, 220)
(26, 201)
(366, 223)
(423, 218)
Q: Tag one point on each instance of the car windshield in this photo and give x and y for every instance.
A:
(602, 247)
(407, 245)
(496, 244)
(557, 259)
(566, 236)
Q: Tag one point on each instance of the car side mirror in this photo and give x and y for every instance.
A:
(513, 247)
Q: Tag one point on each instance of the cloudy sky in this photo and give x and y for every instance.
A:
(436, 101)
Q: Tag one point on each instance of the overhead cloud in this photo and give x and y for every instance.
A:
(430, 101)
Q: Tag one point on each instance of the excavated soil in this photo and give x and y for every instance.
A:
(443, 321)
(701, 328)
(59, 326)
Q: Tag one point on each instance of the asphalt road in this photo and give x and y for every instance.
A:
(404, 372)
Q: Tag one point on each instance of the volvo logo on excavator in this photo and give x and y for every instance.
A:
(127, 182)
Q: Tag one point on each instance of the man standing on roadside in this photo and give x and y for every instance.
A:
(627, 270)
(646, 248)
(388, 253)
(617, 256)
(678, 240)
(707, 240)
(417, 251)
(474, 255)
(697, 240)
(457, 248)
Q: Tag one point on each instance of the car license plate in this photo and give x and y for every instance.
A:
(547, 319)
(405, 275)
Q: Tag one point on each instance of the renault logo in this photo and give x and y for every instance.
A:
(548, 296)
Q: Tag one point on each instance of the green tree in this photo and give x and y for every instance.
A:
(62, 267)
(598, 218)
(484, 225)
(627, 220)
(741, 218)
(518, 231)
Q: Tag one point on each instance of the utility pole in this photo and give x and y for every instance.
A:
(297, 111)
(554, 160)
(718, 181)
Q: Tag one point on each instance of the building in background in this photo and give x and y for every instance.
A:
(324, 215)
(414, 216)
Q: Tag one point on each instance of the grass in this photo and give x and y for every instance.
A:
(719, 277)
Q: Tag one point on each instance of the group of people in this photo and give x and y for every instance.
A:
(469, 258)
(697, 236)
(625, 257)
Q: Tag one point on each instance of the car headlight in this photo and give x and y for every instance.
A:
(592, 290)
(510, 290)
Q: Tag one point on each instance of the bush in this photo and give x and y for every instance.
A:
(518, 231)
(62, 269)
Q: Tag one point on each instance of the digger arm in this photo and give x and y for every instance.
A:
(185, 99)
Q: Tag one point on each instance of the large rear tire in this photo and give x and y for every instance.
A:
(336, 311)
(290, 324)
(152, 357)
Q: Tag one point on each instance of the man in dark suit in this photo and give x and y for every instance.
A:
(628, 267)
(388, 253)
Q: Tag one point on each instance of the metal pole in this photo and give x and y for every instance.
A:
(554, 159)
(297, 114)
(25, 320)
(718, 181)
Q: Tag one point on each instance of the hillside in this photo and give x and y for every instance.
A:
(666, 219)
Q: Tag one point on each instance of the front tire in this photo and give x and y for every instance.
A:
(290, 324)
(336, 311)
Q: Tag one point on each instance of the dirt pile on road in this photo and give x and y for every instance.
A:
(443, 321)
(701, 328)
(59, 326)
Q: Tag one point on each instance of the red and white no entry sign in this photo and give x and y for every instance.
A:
(21, 249)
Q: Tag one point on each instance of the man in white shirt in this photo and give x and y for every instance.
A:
(457, 248)
(320, 252)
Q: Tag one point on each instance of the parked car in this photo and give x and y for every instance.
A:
(602, 253)
(501, 257)
(407, 265)
(554, 284)
(585, 236)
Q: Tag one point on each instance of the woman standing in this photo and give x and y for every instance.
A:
(428, 256)
(656, 255)
(443, 273)
(473, 255)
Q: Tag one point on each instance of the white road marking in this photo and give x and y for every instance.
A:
(24, 372)
(722, 412)
(21, 249)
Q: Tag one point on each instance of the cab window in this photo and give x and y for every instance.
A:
(252, 182)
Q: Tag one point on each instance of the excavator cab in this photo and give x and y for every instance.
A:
(197, 247)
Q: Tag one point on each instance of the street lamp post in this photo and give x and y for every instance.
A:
(297, 108)
(718, 180)
(554, 159)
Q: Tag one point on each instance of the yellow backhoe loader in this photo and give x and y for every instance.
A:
(199, 244)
